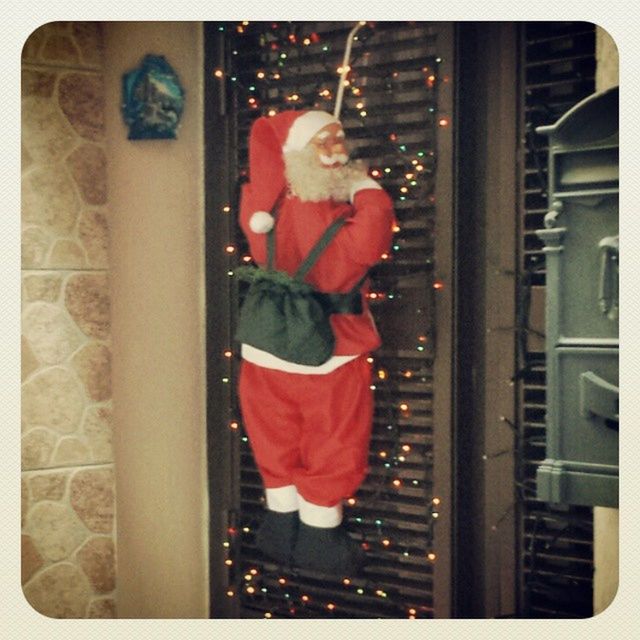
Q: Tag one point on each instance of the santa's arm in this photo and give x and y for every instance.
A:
(368, 232)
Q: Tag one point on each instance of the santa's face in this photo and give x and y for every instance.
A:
(322, 169)
(329, 146)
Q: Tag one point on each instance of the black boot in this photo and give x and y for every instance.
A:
(277, 535)
(327, 550)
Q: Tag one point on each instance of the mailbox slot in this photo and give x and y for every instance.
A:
(591, 168)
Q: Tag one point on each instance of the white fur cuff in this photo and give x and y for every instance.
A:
(317, 516)
(366, 183)
(282, 499)
(261, 222)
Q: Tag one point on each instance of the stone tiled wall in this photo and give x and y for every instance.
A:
(68, 557)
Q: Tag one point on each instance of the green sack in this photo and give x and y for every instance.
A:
(285, 316)
(281, 316)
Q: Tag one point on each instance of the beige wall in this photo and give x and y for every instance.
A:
(157, 313)
(68, 558)
(606, 526)
(607, 60)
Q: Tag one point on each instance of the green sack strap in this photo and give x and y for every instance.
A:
(333, 302)
(342, 302)
(314, 254)
(318, 248)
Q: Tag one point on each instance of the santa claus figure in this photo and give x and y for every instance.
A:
(309, 426)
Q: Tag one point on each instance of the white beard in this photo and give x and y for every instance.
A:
(313, 182)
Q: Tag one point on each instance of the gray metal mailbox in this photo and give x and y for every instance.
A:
(581, 247)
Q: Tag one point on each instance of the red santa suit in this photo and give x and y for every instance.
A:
(309, 427)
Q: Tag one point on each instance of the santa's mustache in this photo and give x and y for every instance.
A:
(341, 158)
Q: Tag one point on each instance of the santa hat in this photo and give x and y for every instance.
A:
(269, 139)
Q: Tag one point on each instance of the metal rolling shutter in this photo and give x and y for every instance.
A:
(397, 65)
(556, 555)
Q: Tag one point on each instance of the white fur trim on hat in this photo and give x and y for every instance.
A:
(261, 222)
(305, 127)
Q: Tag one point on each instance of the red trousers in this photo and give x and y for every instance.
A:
(310, 431)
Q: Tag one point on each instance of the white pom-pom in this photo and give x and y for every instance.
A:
(261, 222)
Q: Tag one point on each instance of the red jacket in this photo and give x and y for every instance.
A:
(357, 246)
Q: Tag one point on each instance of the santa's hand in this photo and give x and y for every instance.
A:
(261, 222)
(362, 183)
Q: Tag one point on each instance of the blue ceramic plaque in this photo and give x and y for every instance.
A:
(153, 100)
